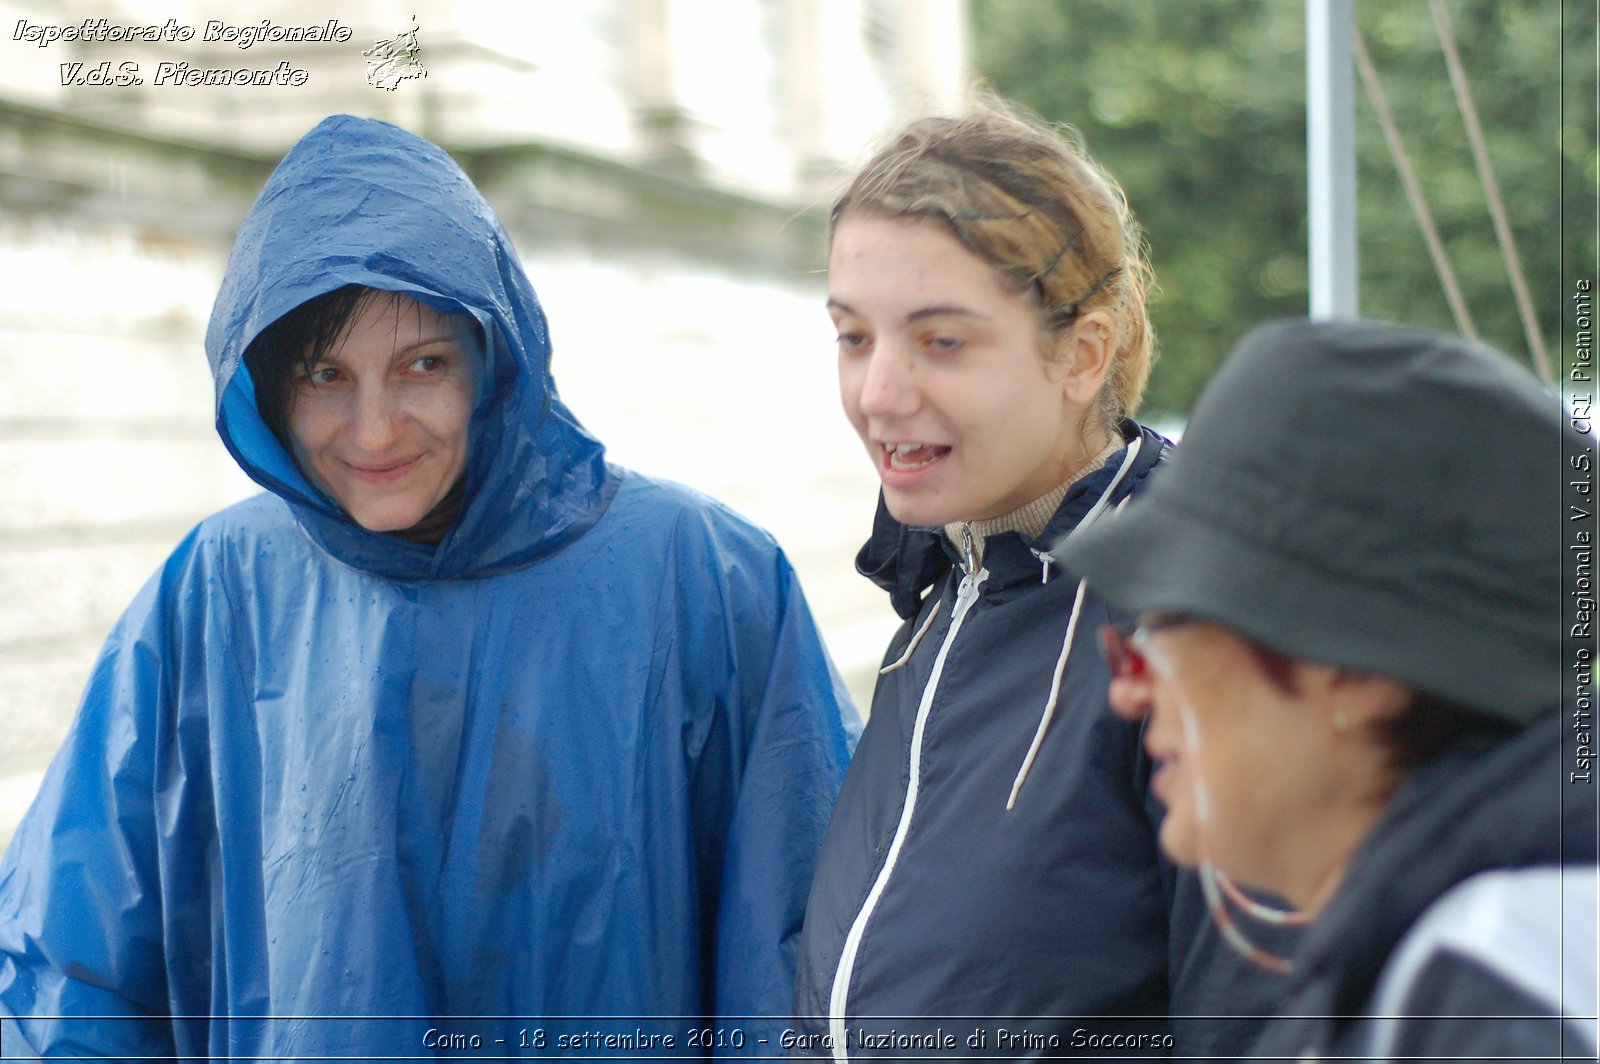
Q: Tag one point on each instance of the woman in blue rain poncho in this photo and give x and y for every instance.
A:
(458, 736)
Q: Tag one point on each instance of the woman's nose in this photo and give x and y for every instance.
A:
(1131, 697)
(378, 420)
(889, 387)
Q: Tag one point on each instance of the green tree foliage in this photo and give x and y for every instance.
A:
(1198, 108)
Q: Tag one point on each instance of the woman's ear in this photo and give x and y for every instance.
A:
(1084, 352)
(1354, 701)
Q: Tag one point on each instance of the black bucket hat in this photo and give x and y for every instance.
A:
(1366, 495)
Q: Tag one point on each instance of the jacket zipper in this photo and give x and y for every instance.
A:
(966, 595)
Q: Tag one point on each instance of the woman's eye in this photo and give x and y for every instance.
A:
(849, 341)
(946, 344)
(322, 376)
(428, 364)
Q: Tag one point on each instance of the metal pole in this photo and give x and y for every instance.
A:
(1331, 158)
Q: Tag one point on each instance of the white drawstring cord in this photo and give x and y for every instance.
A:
(1044, 560)
(1105, 496)
(1214, 884)
(1072, 627)
(903, 658)
(1050, 706)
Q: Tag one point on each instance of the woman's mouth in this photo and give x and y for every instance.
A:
(386, 473)
(909, 457)
(1160, 780)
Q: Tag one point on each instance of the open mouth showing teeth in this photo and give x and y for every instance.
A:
(913, 455)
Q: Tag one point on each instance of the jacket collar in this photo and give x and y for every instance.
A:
(1471, 809)
(906, 560)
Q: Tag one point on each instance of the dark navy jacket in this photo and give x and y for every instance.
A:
(1473, 897)
(1055, 927)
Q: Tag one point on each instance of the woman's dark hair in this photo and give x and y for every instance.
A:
(1432, 724)
(1427, 727)
(298, 341)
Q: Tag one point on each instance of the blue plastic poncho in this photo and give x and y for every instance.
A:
(555, 785)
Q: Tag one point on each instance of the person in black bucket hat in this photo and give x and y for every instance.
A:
(1348, 657)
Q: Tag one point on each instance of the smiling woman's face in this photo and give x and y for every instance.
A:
(380, 424)
(944, 374)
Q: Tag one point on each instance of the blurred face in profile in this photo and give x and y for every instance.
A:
(380, 423)
(947, 375)
(1245, 753)
(1279, 752)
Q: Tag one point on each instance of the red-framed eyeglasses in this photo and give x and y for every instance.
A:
(1126, 646)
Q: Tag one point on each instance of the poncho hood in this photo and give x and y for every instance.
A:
(362, 202)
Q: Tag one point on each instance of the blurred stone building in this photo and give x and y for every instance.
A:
(662, 165)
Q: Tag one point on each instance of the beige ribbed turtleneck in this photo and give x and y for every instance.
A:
(1029, 519)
